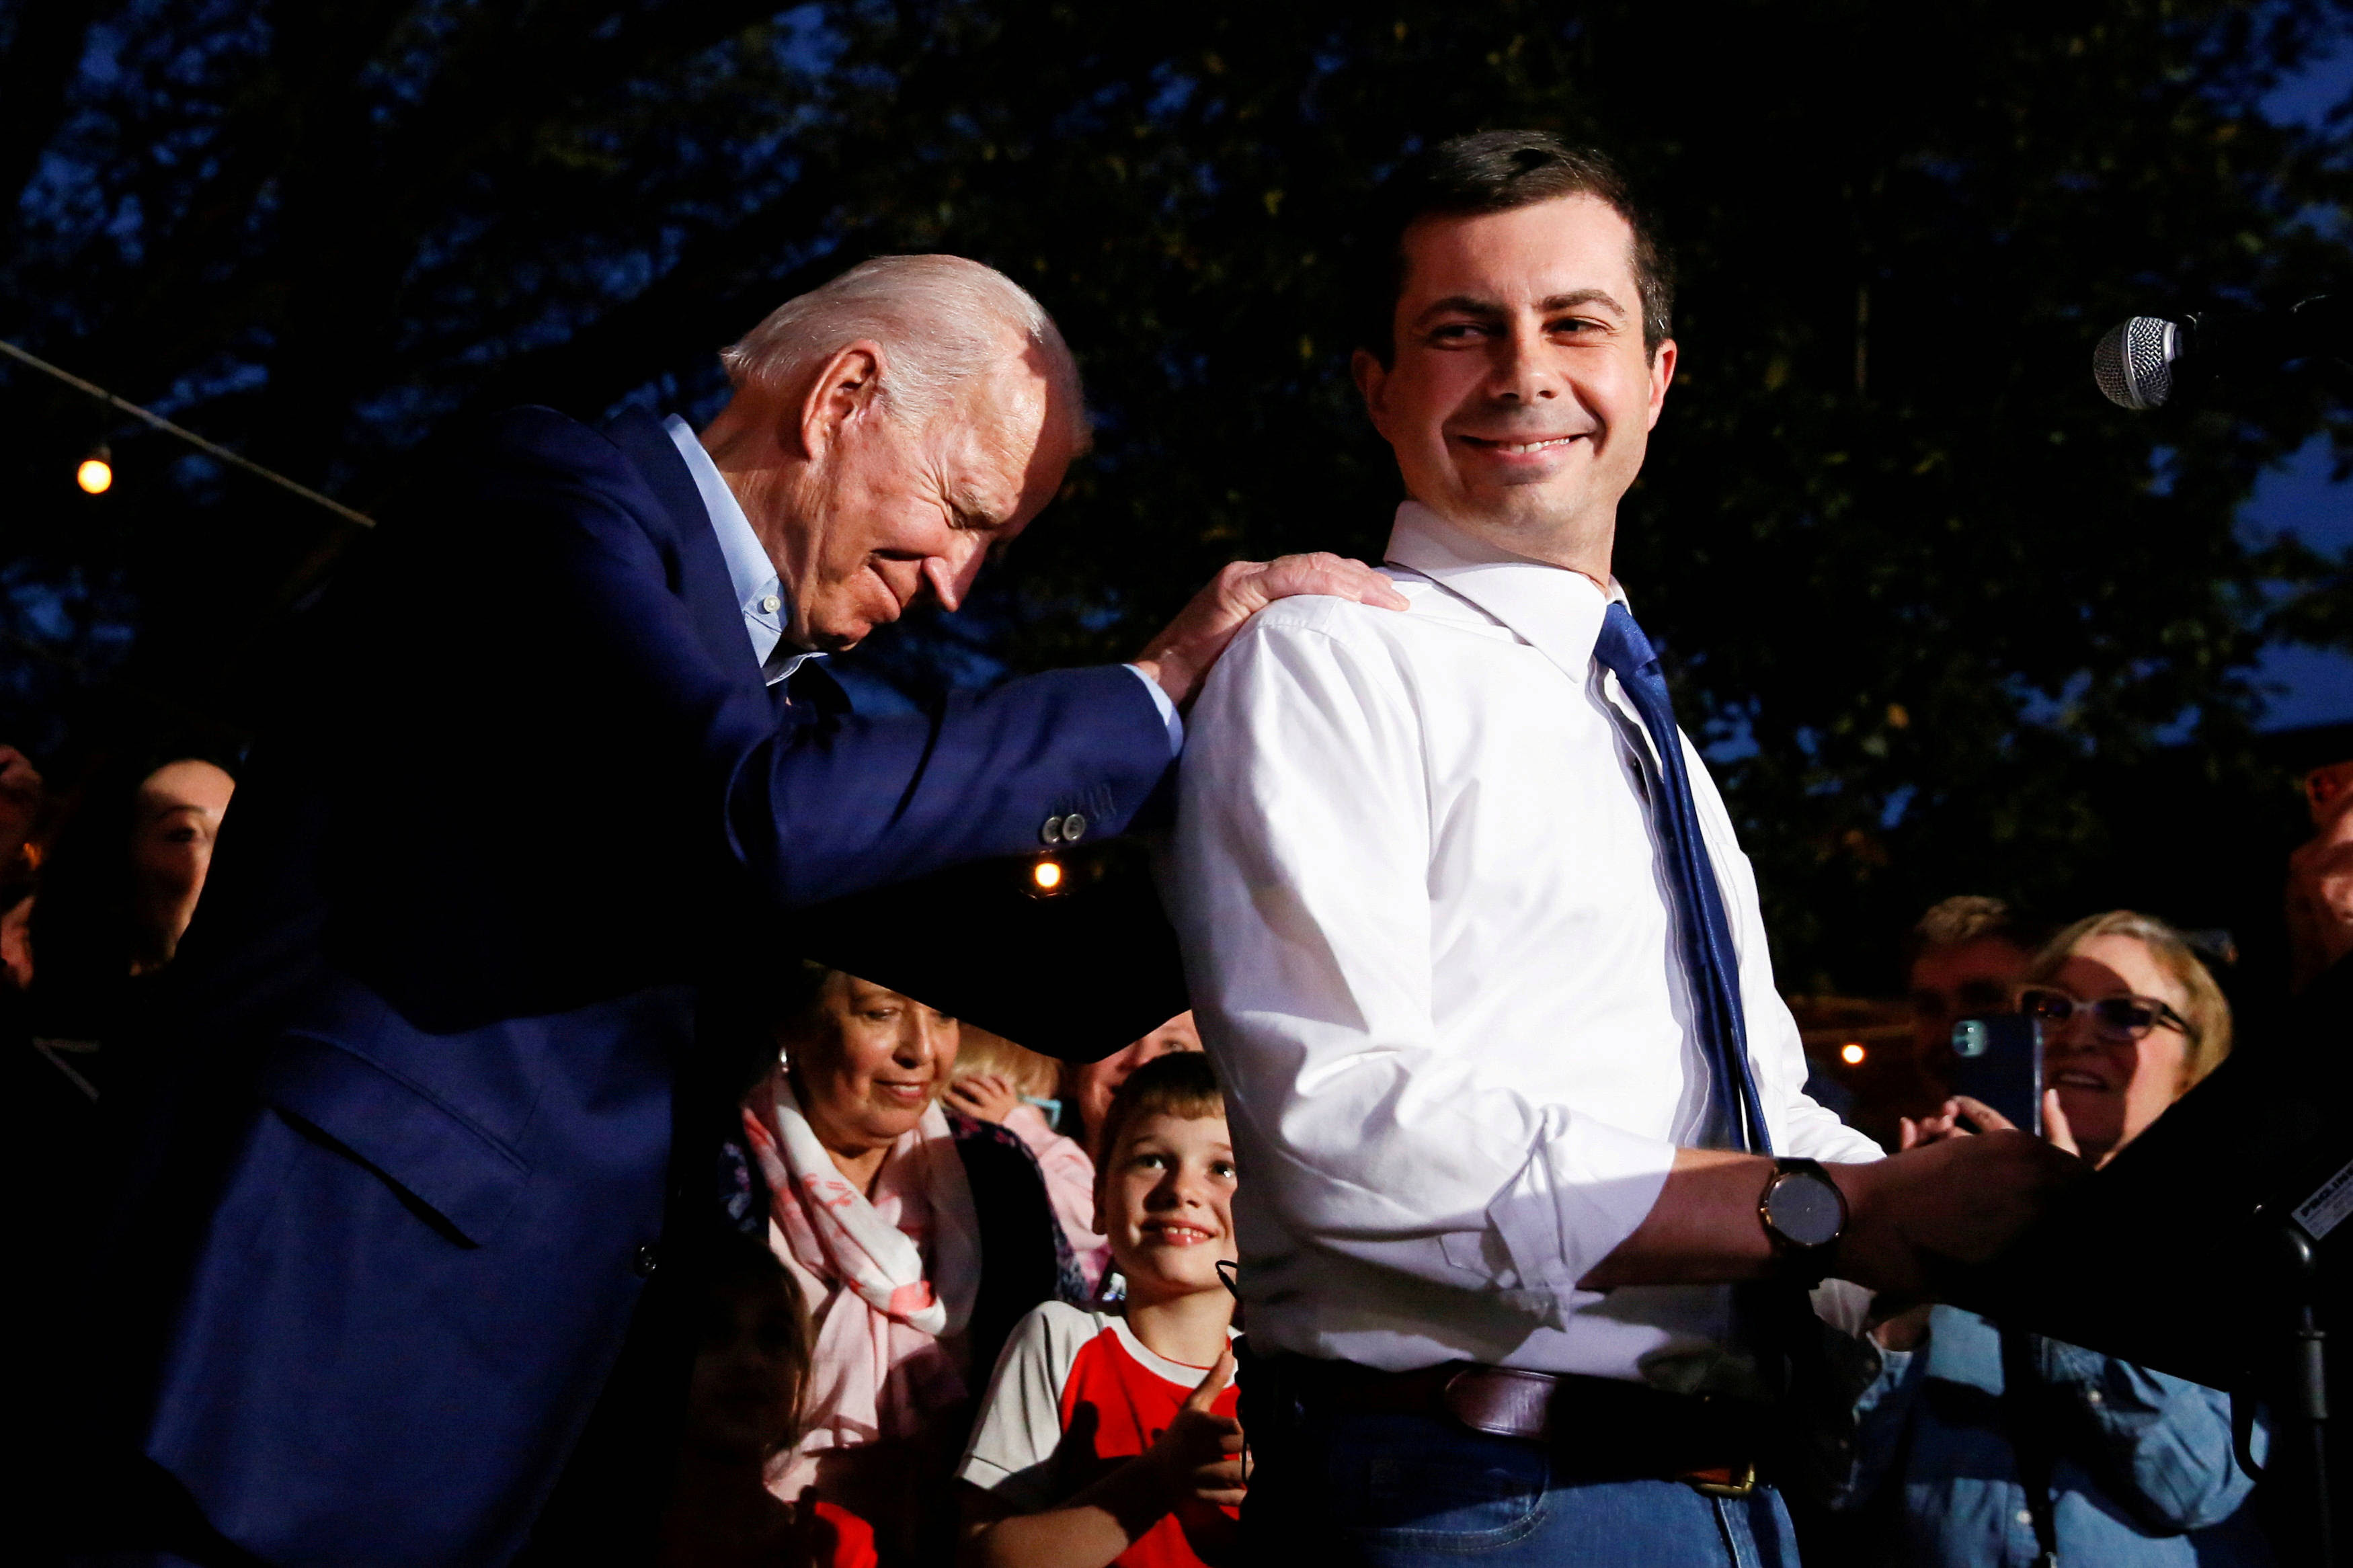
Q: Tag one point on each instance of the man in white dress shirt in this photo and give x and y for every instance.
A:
(1498, 1186)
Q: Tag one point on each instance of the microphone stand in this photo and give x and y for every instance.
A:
(2301, 1409)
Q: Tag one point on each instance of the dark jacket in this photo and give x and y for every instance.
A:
(527, 808)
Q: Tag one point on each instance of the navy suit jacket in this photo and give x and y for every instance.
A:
(528, 809)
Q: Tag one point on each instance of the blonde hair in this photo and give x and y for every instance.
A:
(1029, 1072)
(2206, 1011)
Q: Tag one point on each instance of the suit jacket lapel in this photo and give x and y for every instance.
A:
(703, 583)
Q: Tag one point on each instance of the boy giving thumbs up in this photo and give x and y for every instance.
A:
(1110, 1437)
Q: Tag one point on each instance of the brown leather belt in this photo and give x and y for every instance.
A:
(1597, 1427)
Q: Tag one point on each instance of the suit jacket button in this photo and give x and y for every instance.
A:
(1052, 832)
(1072, 825)
(645, 1260)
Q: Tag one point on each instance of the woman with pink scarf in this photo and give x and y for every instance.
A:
(918, 1237)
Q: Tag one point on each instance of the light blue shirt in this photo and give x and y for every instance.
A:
(760, 592)
(2145, 1477)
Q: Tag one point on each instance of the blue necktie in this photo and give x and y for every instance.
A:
(1708, 955)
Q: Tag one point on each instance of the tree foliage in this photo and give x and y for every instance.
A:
(1927, 596)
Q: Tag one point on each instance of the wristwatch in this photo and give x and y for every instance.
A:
(1804, 1214)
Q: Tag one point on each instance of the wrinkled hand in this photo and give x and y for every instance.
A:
(1948, 1195)
(984, 1095)
(1200, 1455)
(1181, 656)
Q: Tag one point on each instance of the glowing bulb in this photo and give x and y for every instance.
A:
(1048, 875)
(94, 476)
(1851, 1053)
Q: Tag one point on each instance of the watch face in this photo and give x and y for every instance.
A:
(1805, 1208)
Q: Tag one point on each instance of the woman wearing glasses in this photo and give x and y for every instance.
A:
(2130, 1020)
(1980, 1448)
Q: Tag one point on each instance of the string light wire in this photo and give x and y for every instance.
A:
(210, 448)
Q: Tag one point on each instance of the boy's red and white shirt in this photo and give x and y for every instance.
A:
(1075, 1394)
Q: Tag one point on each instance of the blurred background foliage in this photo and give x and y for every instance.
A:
(1946, 620)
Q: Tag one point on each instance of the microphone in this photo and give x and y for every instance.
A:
(2148, 361)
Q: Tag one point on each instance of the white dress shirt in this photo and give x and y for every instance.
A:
(1432, 947)
(760, 590)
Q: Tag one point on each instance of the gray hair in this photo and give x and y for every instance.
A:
(943, 323)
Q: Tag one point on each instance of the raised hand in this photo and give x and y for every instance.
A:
(1181, 656)
(2055, 1127)
(984, 1095)
(1201, 1453)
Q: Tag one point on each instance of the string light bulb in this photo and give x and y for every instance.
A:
(95, 473)
(1852, 1053)
(1047, 874)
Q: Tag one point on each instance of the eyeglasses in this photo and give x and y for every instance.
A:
(2116, 1017)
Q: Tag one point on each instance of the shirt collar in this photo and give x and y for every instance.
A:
(1556, 611)
(759, 591)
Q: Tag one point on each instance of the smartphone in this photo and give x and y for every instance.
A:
(1999, 1060)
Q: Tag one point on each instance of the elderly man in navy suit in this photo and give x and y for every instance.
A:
(558, 761)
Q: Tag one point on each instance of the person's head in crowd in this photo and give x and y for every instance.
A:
(1088, 1087)
(886, 1211)
(864, 1062)
(123, 876)
(993, 1076)
(22, 794)
(1513, 347)
(2131, 1020)
(176, 817)
(2320, 877)
(751, 1361)
(1963, 959)
(1165, 1180)
(891, 427)
(752, 1365)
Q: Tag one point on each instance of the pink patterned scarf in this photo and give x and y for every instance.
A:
(887, 1279)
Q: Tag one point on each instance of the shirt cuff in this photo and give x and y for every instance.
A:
(1587, 1188)
(1168, 714)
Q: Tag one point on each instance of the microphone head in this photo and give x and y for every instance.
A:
(2133, 364)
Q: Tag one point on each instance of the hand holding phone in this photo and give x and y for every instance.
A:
(1999, 1060)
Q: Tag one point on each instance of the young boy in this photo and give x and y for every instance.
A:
(1110, 1437)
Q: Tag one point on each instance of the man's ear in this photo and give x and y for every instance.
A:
(846, 387)
(1372, 379)
(1662, 371)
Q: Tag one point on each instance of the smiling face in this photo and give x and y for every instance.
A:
(863, 512)
(1521, 397)
(1166, 1201)
(866, 1063)
(2111, 1088)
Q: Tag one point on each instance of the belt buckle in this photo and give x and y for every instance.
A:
(1740, 1490)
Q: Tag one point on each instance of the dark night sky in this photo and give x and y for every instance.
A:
(2312, 687)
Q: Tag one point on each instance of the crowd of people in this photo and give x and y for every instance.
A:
(978, 1308)
(459, 1197)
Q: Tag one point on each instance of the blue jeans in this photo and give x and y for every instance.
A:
(1389, 1492)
